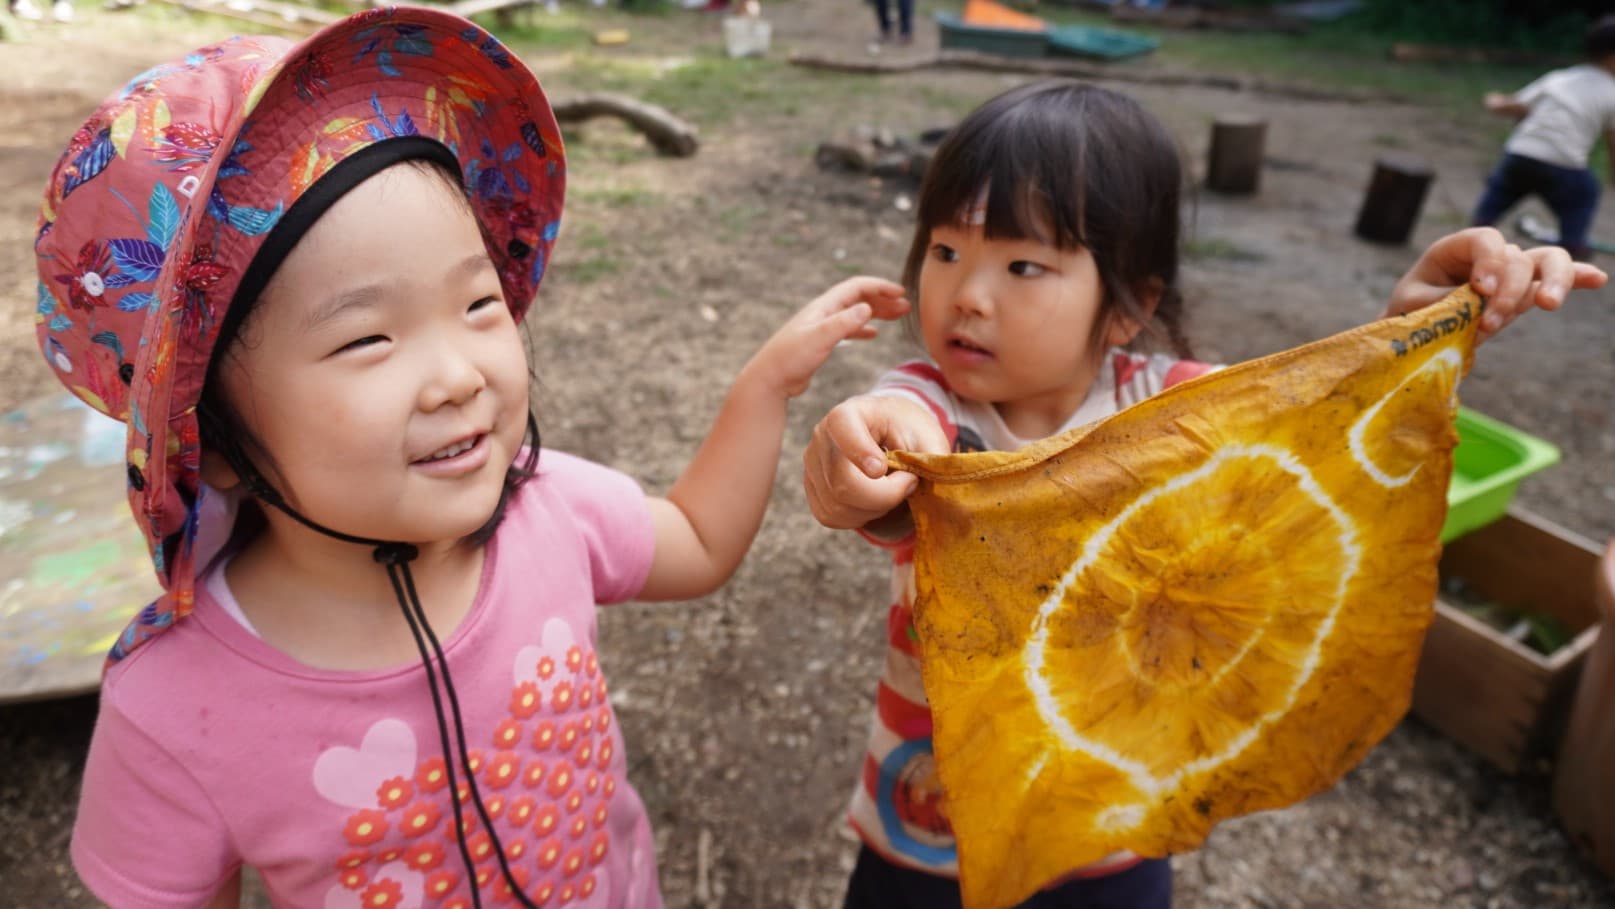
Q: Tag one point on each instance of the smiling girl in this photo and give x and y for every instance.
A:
(298, 273)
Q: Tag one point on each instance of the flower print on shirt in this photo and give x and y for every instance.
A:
(544, 773)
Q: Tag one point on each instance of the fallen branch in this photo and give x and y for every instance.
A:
(975, 60)
(292, 17)
(670, 135)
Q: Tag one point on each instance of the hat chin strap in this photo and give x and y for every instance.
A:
(396, 556)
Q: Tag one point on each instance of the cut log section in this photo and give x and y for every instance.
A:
(1394, 197)
(1234, 163)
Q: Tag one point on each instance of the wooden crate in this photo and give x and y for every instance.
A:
(1498, 697)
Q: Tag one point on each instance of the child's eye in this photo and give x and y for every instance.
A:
(484, 303)
(1026, 269)
(944, 253)
(365, 341)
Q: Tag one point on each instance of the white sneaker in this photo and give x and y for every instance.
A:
(25, 9)
(62, 11)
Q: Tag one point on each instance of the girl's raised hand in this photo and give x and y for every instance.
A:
(788, 360)
(1511, 279)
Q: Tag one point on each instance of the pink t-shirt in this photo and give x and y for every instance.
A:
(214, 750)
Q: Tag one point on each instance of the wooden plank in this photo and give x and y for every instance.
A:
(1529, 562)
(1476, 691)
(1499, 698)
(75, 566)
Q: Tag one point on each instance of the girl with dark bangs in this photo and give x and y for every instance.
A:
(1046, 245)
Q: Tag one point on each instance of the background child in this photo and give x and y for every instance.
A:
(1046, 242)
(298, 273)
(1561, 116)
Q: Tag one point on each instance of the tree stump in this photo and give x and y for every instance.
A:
(1234, 165)
(1395, 195)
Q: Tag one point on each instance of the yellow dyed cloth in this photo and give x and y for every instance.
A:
(1209, 604)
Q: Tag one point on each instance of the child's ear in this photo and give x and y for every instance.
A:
(1123, 327)
(216, 470)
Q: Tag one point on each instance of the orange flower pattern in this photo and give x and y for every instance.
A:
(548, 794)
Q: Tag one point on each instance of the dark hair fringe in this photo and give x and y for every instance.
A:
(1071, 165)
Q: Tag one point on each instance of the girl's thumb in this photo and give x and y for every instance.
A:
(874, 466)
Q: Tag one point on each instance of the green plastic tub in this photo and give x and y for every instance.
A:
(1003, 42)
(1491, 459)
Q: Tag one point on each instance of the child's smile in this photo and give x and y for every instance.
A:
(382, 371)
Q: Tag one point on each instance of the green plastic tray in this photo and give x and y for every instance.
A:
(1004, 42)
(1491, 459)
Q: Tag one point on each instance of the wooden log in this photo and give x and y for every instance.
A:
(1583, 785)
(1393, 199)
(1406, 52)
(1234, 162)
(994, 63)
(670, 135)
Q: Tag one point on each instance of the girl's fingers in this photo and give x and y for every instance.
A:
(1587, 277)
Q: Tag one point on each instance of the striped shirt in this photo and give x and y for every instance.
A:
(897, 805)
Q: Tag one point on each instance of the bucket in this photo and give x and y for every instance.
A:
(746, 36)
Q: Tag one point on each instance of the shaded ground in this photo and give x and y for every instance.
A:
(745, 713)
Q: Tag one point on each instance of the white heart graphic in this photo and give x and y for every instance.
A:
(556, 639)
(351, 776)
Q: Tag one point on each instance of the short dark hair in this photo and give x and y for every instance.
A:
(223, 430)
(1071, 165)
(1601, 38)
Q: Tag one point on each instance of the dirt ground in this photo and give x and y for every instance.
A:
(745, 713)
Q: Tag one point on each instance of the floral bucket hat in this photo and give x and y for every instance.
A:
(165, 197)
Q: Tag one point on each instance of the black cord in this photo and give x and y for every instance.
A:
(413, 602)
(396, 558)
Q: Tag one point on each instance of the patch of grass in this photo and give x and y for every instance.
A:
(738, 223)
(1220, 248)
(537, 30)
(617, 196)
(591, 269)
(591, 238)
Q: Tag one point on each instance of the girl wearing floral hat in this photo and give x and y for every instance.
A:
(296, 273)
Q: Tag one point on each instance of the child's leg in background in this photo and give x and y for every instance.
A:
(883, 14)
(905, 19)
(1573, 196)
(879, 884)
(1509, 182)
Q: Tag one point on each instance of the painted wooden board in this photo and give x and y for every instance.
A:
(73, 568)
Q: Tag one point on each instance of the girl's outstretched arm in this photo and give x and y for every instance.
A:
(708, 520)
(1511, 279)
